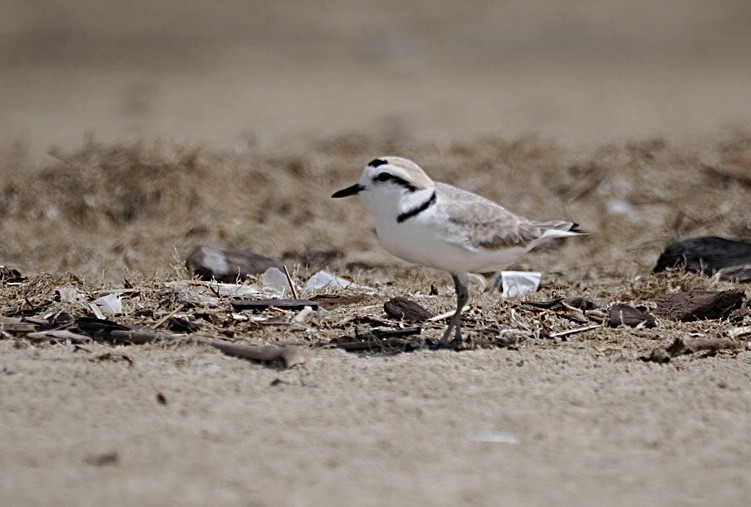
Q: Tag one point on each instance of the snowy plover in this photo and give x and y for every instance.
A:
(444, 227)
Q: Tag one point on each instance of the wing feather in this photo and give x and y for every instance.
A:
(477, 223)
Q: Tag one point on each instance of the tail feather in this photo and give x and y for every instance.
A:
(555, 230)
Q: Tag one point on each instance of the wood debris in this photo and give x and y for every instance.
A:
(289, 354)
(698, 304)
(691, 345)
(264, 304)
(401, 308)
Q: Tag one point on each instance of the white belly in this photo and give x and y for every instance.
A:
(418, 242)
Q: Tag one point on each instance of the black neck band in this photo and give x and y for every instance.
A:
(417, 210)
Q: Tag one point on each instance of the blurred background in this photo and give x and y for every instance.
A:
(233, 74)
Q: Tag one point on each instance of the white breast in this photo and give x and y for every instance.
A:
(422, 240)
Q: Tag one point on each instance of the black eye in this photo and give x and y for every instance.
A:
(383, 177)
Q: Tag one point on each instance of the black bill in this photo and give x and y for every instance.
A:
(346, 192)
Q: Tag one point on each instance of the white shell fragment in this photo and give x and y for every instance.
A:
(516, 283)
(111, 304)
(275, 281)
(324, 279)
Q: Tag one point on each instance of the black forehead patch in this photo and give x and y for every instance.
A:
(377, 162)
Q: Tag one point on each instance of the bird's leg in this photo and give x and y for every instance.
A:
(462, 296)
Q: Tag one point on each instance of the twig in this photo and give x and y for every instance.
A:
(445, 315)
(169, 316)
(289, 281)
(574, 331)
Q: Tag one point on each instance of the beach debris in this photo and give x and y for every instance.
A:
(517, 283)
(401, 308)
(140, 336)
(698, 304)
(182, 325)
(575, 308)
(275, 281)
(259, 305)
(98, 328)
(577, 330)
(110, 458)
(308, 313)
(58, 335)
(739, 331)
(559, 304)
(207, 294)
(333, 300)
(113, 356)
(383, 340)
(111, 304)
(325, 280)
(289, 354)
(226, 263)
(69, 295)
(710, 255)
(506, 336)
(624, 315)
(11, 276)
(19, 324)
(693, 344)
(738, 274)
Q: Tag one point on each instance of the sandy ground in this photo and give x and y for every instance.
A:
(234, 123)
(533, 426)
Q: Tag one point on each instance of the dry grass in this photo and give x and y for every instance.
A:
(124, 208)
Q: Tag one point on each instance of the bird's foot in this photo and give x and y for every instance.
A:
(455, 342)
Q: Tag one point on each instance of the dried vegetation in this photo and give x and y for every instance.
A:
(123, 217)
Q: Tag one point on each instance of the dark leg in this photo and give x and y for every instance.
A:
(462, 296)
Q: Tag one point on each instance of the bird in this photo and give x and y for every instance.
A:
(443, 227)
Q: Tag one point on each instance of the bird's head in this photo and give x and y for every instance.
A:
(387, 183)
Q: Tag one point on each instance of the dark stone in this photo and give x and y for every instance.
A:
(227, 264)
(401, 308)
(698, 305)
(706, 255)
(180, 325)
(625, 315)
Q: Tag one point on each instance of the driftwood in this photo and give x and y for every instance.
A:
(690, 345)
(698, 304)
(559, 304)
(263, 304)
(383, 345)
(290, 354)
(577, 330)
(17, 324)
(141, 336)
(58, 335)
(384, 340)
